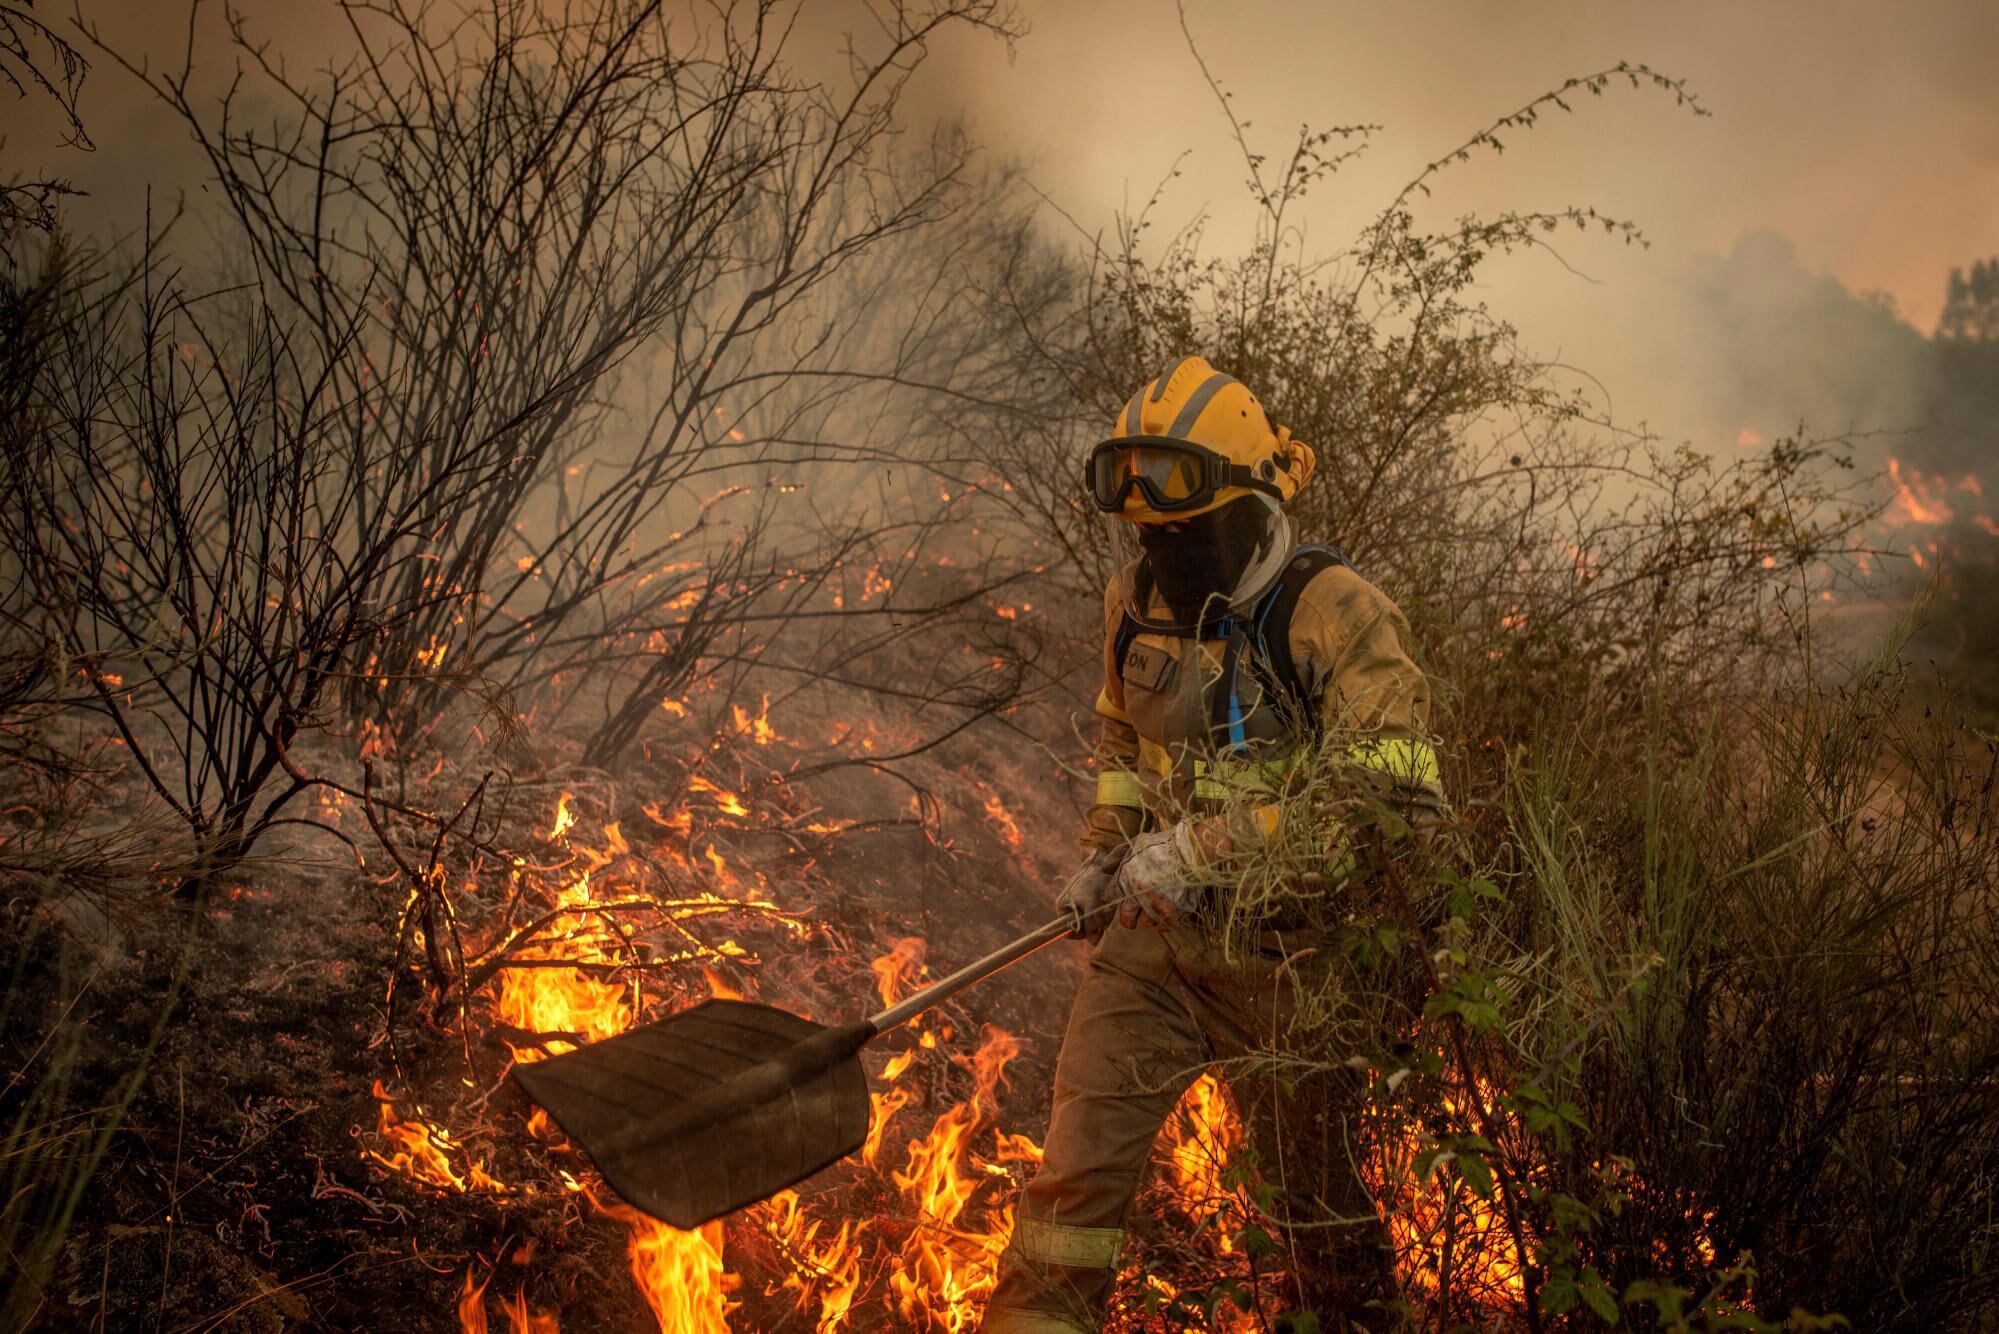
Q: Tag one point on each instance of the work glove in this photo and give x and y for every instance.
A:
(1160, 878)
(1087, 896)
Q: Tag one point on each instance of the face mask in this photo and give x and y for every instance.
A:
(1204, 557)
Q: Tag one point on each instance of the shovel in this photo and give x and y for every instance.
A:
(729, 1102)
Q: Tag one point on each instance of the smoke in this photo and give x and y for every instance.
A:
(1862, 131)
(1776, 347)
(1772, 345)
(1853, 150)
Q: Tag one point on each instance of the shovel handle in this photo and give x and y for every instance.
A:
(977, 971)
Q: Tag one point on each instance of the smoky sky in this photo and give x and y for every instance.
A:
(1865, 134)
(1862, 137)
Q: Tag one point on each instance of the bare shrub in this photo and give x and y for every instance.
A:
(396, 462)
(596, 271)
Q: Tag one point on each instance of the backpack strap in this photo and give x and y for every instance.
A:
(1225, 715)
(1273, 622)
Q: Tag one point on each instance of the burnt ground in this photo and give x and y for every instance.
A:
(237, 1196)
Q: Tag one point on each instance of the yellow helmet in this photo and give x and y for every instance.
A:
(1191, 441)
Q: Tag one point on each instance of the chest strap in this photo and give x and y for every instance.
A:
(1266, 641)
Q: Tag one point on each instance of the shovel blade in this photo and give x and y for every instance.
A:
(711, 1109)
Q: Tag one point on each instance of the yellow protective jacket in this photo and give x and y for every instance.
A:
(1156, 757)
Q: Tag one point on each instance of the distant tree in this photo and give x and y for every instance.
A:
(1971, 304)
(1957, 450)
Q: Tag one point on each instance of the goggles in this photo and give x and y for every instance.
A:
(1171, 474)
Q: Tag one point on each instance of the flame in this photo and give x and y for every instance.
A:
(1199, 1139)
(1920, 498)
(564, 1000)
(679, 1273)
(565, 819)
(997, 812)
(1205, 1132)
(725, 801)
(520, 1320)
(721, 867)
(757, 729)
(949, 1268)
(678, 822)
(829, 1270)
(1194, 1147)
(884, 1107)
(472, 1305)
(423, 1151)
(1421, 1213)
(718, 986)
(898, 972)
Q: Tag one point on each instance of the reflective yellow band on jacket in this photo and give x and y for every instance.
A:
(1404, 760)
(1070, 1247)
(1120, 787)
(1408, 761)
(1110, 710)
(1221, 780)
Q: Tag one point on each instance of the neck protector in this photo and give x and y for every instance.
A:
(1199, 566)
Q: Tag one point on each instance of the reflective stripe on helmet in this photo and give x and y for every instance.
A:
(1132, 423)
(1166, 378)
(1198, 400)
(1070, 1247)
(1120, 787)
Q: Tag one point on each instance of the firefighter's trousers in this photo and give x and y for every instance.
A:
(1154, 1010)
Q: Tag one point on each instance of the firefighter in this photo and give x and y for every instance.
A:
(1227, 648)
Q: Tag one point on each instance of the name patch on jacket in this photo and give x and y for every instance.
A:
(1149, 668)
